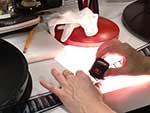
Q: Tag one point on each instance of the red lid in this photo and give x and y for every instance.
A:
(107, 30)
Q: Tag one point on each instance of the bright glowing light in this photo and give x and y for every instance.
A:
(77, 58)
(81, 58)
(118, 82)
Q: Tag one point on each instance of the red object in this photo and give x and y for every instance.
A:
(85, 3)
(107, 30)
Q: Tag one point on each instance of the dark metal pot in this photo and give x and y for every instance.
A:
(15, 79)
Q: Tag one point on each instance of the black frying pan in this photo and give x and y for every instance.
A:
(15, 80)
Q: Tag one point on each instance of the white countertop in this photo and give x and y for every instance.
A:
(121, 100)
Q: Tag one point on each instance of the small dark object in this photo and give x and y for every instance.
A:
(99, 68)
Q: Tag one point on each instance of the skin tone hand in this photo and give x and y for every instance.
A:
(133, 62)
(77, 92)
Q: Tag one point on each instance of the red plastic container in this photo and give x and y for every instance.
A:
(107, 30)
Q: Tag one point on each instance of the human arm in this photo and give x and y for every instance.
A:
(77, 93)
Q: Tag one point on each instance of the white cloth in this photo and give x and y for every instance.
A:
(70, 20)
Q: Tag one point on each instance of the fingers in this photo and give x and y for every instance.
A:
(50, 87)
(59, 77)
(64, 77)
(108, 44)
(113, 46)
(67, 74)
(80, 73)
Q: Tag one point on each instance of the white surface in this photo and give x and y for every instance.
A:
(42, 45)
(120, 100)
(41, 71)
(4, 16)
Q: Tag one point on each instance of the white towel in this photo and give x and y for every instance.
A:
(70, 20)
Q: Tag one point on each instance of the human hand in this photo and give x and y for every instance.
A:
(77, 92)
(133, 63)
